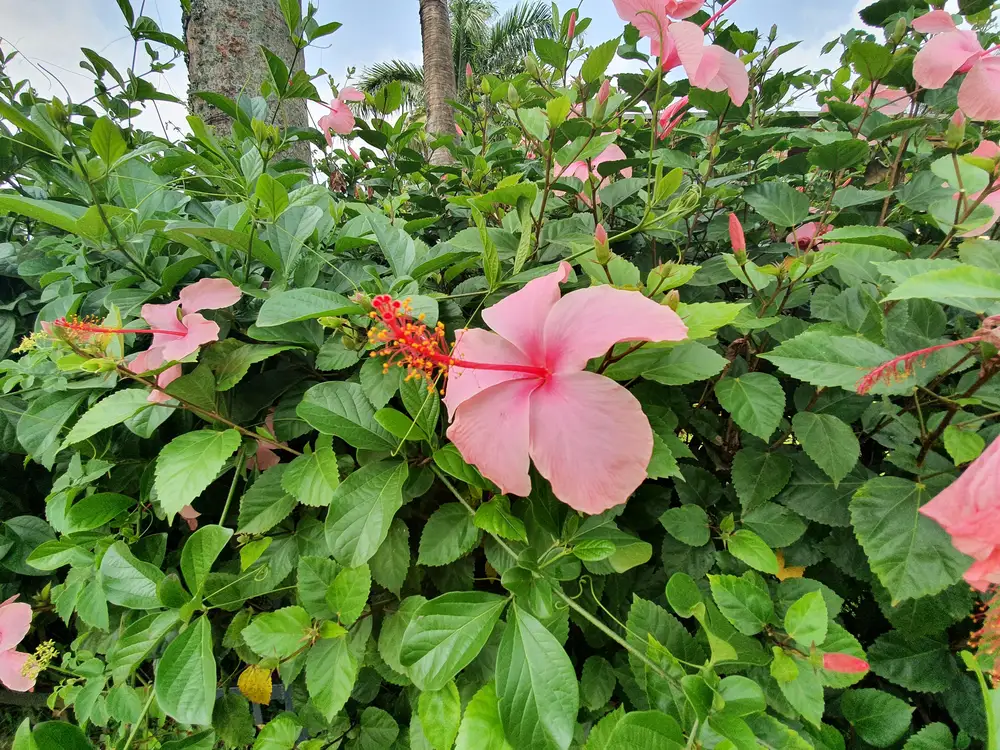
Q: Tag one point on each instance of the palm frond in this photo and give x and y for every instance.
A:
(408, 74)
(514, 33)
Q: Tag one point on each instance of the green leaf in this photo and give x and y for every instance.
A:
(755, 400)
(446, 634)
(440, 714)
(804, 691)
(746, 546)
(963, 282)
(879, 719)
(106, 139)
(312, 478)
(838, 155)
(597, 683)
(61, 215)
(827, 441)
(315, 574)
(812, 494)
(599, 59)
(107, 412)
(687, 524)
(963, 445)
(886, 237)
(231, 364)
(189, 463)
(448, 535)
(684, 363)
(379, 385)
(39, 426)
(391, 562)
(775, 524)
(779, 203)
(342, 409)
(348, 594)
(331, 671)
(646, 729)
(825, 359)
(232, 720)
(967, 177)
(400, 425)
(272, 195)
(95, 510)
(922, 664)
(186, 675)
(744, 601)
(481, 728)
(495, 517)
(278, 634)
(758, 477)
(806, 620)
(266, 503)
(362, 509)
(128, 581)
(936, 736)
(536, 685)
(378, 730)
(422, 404)
(535, 121)
(602, 732)
(450, 460)
(53, 555)
(200, 552)
(684, 596)
(303, 304)
(58, 735)
(911, 554)
(872, 61)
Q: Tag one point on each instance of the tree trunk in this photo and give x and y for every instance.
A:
(439, 72)
(224, 40)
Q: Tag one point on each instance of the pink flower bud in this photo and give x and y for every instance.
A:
(736, 236)
(601, 248)
(601, 235)
(844, 663)
(604, 92)
(572, 26)
(958, 119)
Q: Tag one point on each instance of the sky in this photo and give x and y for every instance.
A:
(50, 33)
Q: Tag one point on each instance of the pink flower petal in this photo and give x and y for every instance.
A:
(325, 124)
(491, 432)
(648, 16)
(935, 22)
(11, 664)
(586, 323)
(689, 42)
(577, 169)
(164, 379)
(351, 94)
(993, 201)
(145, 361)
(264, 458)
(984, 573)
(611, 153)
(15, 620)
(518, 317)
(199, 330)
(165, 318)
(479, 345)
(987, 150)
(942, 56)
(732, 75)
(209, 294)
(191, 516)
(590, 439)
(979, 96)
(683, 8)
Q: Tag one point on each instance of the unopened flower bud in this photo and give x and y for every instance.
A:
(736, 236)
(604, 92)
(601, 247)
(531, 65)
(513, 98)
(898, 31)
(468, 75)
(672, 299)
(844, 663)
(955, 133)
(363, 301)
(572, 27)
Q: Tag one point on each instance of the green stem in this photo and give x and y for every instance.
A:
(232, 486)
(135, 727)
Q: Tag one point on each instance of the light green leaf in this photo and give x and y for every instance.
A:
(331, 671)
(391, 562)
(829, 442)
(481, 728)
(963, 445)
(312, 478)
(646, 729)
(189, 463)
(446, 634)
(684, 363)
(806, 620)
(495, 517)
(200, 552)
(107, 412)
(232, 363)
(362, 509)
(342, 409)
(963, 282)
(536, 685)
(303, 304)
(825, 359)
(911, 554)
(39, 426)
(746, 546)
(687, 524)
(440, 713)
(278, 634)
(778, 202)
(775, 524)
(804, 691)
(348, 594)
(128, 581)
(266, 503)
(448, 535)
(186, 675)
(315, 575)
(95, 510)
(744, 601)
(755, 400)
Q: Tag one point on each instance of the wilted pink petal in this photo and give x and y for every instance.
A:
(590, 439)
(612, 316)
(351, 94)
(845, 663)
(491, 431)
(805, 236)
(683, 8)
(209, 294)
(191, 516)
(649, 17)
(736, 237)
(987, 150)
(479, 345)
(979, 96)
(670, 117)
(15, 620)
(935, 22)
(520, 317)
(943, 56)
(969, 510)
(11, 664)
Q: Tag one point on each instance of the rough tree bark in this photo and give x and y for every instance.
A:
(439, 72)
(224, 38)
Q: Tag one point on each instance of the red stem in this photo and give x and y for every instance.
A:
(718, 13)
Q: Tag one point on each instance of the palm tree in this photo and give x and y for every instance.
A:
(481, 37)
(439, 75)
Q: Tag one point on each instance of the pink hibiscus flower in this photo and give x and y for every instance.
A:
(522, 394)
(987, 150)
(953, 50)
(806, 237)
(15, 619)
(340, 118)
(583, 172)
(886, 100)
(671, 117)
(969, 510)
